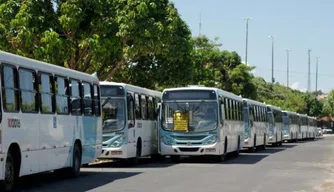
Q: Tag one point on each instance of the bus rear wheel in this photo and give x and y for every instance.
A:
(8, 183)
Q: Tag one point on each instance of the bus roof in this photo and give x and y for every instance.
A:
(274, 107)
(133, 88)
(9, 58)
(290, 112)
(218, 91)
(302, 115)
(250, 101)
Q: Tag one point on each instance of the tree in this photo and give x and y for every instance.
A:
(222, 69)
(328, 107)
(313, 106)
(106, 36)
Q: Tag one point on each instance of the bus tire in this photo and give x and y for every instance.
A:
(237, 153)
(264, 147)
(74, 170)
(222, 157)
(8, 183)
(252, 149)
(175, 158)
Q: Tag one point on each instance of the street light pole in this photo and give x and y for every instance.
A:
(287, 67)
(316, 79)
(272, 59)
(246, 52)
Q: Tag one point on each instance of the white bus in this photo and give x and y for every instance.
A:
(275, 125)
(129, 121)
(312, 127)
(303, 131)
(256, 125)
(50, 119)
(290, 126)
(197, 120)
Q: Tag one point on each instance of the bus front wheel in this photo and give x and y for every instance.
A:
(8, 183)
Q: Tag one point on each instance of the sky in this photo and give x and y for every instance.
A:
(298, 25)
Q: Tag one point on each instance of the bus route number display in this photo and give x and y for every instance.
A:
(180, 121)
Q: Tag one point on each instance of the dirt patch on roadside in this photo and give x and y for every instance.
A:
(328, 184)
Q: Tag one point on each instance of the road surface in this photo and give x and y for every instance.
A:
(293, 167)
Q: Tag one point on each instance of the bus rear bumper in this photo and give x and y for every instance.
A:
(195, 150)
(2, 165)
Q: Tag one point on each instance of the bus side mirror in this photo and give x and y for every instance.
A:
(130, 124)
(157, 110)
(129, 97)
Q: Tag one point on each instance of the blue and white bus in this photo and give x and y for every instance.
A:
(198, 120)
(256, 125)
(50, 119)
(129, 121)
(290, 126)
(275, 125)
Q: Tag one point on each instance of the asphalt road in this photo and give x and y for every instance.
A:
(293, 167)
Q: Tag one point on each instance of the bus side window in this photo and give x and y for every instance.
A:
(10, 91)
(143, 102)
(222, 110)
(46, 89)
(62, 95)
(87, 93)
(97, 105)
(150, 108)
(130, 104)
(76, 97)
(138, 107)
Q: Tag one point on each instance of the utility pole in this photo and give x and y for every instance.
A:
(316, 79)
(246, 52)
(309, 71)
(287, 67)
(200, 24)
(272, 59)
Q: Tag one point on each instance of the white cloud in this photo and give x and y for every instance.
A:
(296, 85)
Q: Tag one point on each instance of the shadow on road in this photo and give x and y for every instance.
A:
(87, 181)
(285, 146)
(271, 150)
(143, 163)
(246, 159)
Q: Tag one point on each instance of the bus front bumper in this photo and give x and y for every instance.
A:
(114, 153)
(193, 150)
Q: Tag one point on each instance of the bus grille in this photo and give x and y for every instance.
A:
(189, 149)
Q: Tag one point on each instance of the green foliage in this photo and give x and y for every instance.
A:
(222, 69)
(145, 43)
(328, 106)
(287, 98)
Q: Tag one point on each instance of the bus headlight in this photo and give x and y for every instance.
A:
(271, 133)
(246, 135)
(167, 140)
(117, 143)
(211, 140)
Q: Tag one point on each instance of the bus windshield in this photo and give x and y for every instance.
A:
(270, 119)
(189, 117)
(113, 115)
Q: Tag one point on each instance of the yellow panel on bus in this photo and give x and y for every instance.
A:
(181, 121)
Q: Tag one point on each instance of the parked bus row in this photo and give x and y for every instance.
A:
(193, 121)
(54, 118)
